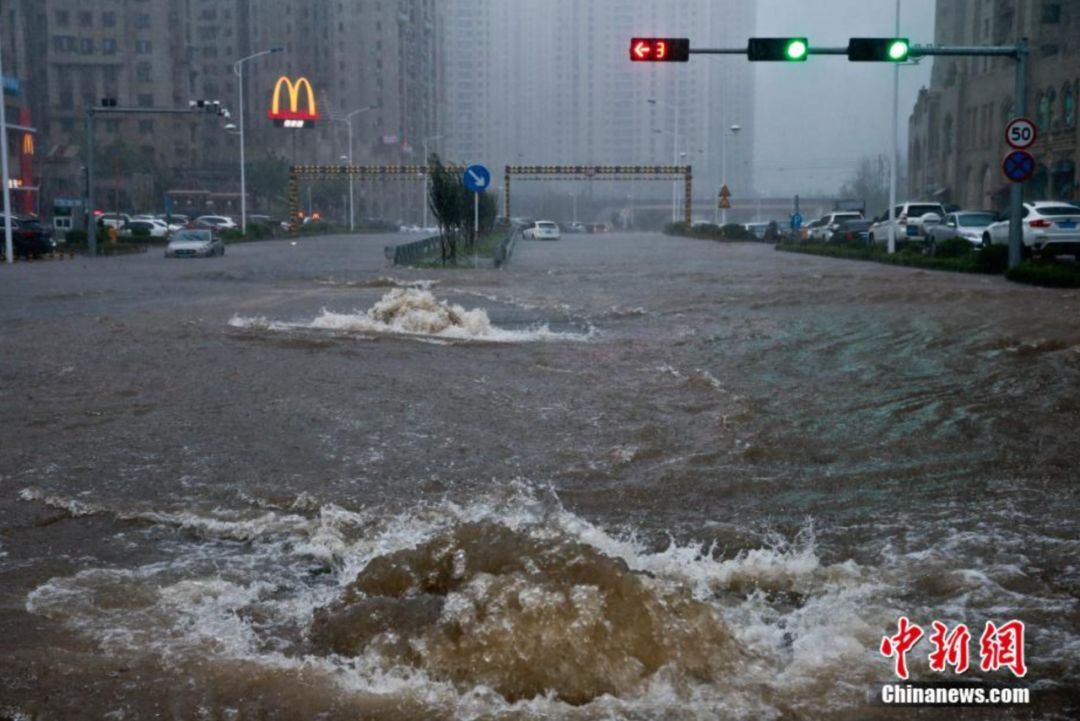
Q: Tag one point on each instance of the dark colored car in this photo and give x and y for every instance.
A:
(29, 238)
(852, 232)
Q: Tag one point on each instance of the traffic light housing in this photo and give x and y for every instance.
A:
(787, 50)
(879, 50)
(660, 50)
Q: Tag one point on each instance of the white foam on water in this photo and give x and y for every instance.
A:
(415, 313)
(803, 625)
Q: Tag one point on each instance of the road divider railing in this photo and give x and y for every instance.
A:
(505, 249)
(411, 253)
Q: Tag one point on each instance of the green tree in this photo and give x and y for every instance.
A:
(449, 202)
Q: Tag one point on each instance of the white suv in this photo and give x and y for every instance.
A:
(1048, 225)
(824, 233)
(910, 226)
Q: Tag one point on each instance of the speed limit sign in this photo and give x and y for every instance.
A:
(1021, 134)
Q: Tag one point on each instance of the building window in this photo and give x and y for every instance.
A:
(86, 46)
(1068, 107)
(108, 46)
(947, 135)
(1042, 117)
(142, 21)
(108, 20)
(143, 47)
(144, 72)
(86, 20)
(63, 43)
(1051, 13)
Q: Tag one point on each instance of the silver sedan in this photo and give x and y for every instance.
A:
(969, 225)
(194, 244)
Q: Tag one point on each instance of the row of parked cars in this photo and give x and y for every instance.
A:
(1049, 226)
(30, 238)
(163, 226)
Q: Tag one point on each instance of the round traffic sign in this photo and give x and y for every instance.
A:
(1018, 166)
(1021, 133)
(477, 178)
(796, 221)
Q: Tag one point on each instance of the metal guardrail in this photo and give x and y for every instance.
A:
(506, 248)
(414, 252)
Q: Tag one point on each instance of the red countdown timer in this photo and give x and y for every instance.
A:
(660, 50)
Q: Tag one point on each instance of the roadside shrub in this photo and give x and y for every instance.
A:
(734, 231)
(75, 238)
(679, 228)
(1047, 274)
(953, 248)
(993, 259)
(230, 235)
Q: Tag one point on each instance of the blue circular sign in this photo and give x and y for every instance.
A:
(477, 178)
(1018, 166)
(796, 221)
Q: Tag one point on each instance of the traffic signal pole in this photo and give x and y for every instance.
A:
(91, 113)
(1019, 53)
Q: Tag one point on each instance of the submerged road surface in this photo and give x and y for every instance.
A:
(629, 477)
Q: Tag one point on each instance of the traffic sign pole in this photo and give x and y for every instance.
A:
(1016, 210)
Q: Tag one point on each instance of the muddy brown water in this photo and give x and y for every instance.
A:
(673, 480)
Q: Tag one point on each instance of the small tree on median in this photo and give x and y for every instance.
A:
(447, 197)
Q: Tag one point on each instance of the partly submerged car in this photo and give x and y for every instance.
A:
(194, 244)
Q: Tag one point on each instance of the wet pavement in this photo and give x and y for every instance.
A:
(650, 478)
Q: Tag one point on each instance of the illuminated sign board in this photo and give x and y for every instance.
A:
(292, 116)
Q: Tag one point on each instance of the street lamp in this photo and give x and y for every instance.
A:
(238, 69)
(723, 166)
(352, 179)
(674, 155)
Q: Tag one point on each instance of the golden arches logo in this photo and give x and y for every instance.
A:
(294, 89)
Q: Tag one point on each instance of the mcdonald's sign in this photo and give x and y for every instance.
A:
(292, 116)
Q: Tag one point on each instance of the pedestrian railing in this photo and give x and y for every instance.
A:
(506, 248)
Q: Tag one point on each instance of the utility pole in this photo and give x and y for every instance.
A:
(9, 244)
(894, 145)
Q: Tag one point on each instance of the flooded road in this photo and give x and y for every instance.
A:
(629, 477)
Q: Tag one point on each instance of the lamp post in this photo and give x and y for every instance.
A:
(674, 156)
(723, 166)
(9, 249)
(238, 69)
(427, 176)
(352, 179)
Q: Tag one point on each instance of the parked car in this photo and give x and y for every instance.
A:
(912, 222)
(30, 239)
(809, 231)
(215, 223)
(114, 220)
(1048, 226)
(194, 243)
(971, 225)
(176, 221)
(578, 227)
(832, 223)
(153, 228)
(856, 230)
(542, 230)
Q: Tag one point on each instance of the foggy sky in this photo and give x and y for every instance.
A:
(815, 120)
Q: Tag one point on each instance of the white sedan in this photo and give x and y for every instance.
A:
(542, 230)
(1048, 225)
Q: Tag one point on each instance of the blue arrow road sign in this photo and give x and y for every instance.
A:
(477, 178)
(1018, 166)
(796, 221)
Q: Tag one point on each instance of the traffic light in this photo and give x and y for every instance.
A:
(879, 50)
(660, 50)
(790, 50)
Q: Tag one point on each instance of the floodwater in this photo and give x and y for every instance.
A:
(630, 477)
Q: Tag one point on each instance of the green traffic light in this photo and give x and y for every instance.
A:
(796, 50)
(898, 51)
